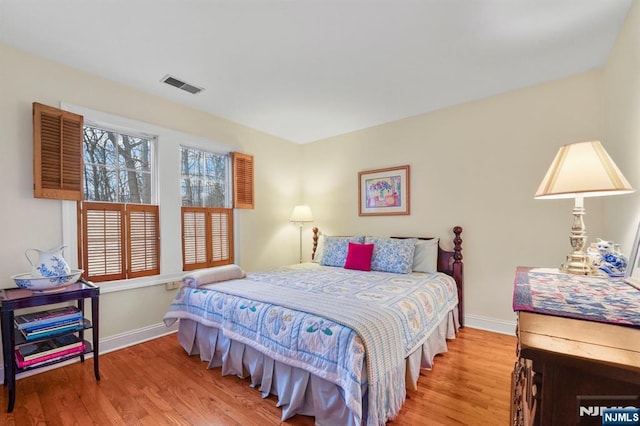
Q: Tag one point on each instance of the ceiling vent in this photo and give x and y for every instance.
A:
(172, 81)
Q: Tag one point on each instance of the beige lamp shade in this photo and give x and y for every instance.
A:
(301, 214)
(582, 169)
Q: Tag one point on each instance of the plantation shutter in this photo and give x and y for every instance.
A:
(194, 238)
(221, 236)
(107, 254)
(243, 188)
(207, 237)
(102, 241)
(57, 153)
(144, 240)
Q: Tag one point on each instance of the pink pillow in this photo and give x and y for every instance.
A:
(359, 257)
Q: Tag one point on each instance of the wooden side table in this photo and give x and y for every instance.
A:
(563, 362)
(16, 298)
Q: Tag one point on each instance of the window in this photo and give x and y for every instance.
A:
(131, 174)
(207, 218)
(118, 229)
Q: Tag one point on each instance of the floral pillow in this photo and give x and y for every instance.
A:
(392, 255)
(335, 249)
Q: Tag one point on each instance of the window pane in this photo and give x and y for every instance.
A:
(134, 187)
(117, 166)
(99, 146)
(99, 183)
(204, 178)
(134, 153)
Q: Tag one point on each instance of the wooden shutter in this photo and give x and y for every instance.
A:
(143, 230)
(57, 153)
(221, 236)
(207, 237)
(243, 196)
(102, 241)
(195, 238)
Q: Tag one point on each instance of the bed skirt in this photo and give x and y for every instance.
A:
(298, 391)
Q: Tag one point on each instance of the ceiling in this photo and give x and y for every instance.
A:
(306, 70)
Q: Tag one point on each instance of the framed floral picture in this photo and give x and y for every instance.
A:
(384, 191)
(632, 274)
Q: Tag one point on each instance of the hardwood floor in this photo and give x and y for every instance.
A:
(156, 383)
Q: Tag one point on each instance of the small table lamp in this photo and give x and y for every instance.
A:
(581, 170)
(300, 215)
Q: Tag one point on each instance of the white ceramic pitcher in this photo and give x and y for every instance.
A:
(50, 263)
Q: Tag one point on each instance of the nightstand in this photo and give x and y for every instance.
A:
(569, 367)
(16, 298)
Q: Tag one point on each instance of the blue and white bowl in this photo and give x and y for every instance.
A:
(29, 282)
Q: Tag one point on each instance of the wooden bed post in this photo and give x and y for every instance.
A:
(458, 271)
(315, 242)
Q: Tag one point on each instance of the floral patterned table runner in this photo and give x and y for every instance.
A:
(594, 298)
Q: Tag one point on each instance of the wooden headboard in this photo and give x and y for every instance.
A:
(449, 262)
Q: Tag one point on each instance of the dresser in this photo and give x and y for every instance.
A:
(568, 368)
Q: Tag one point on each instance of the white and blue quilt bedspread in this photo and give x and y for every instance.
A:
(324, 319)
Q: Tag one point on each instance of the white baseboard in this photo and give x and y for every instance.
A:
(110, 344)
(134, 337)
(490, 324)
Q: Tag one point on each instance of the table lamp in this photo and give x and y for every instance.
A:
(579, 170)
(300, 215)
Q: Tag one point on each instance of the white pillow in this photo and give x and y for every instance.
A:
(212, 275)
(425, 257)
(319, 249)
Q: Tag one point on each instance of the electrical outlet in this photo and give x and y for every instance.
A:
(174, 285)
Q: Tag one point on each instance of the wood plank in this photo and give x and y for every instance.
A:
(603, 334)
(590, 340)
(157, 383)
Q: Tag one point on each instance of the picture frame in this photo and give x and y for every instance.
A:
(632, 274)
(384, 192)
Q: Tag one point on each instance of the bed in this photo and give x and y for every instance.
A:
(329, 338)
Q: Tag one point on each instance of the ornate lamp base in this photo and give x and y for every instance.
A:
(577, 262)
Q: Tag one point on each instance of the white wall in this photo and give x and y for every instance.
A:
(476, 165)
(27, 222)
(621, 83)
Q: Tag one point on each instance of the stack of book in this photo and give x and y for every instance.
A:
(48, 350)
(51, 322)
